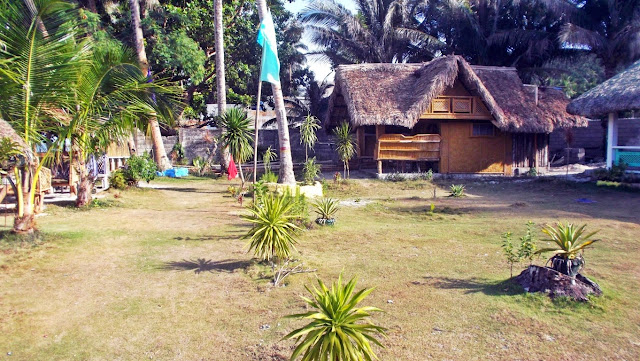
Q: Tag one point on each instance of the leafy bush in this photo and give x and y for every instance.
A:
(269, 177)
(139, 168)
(532, 172)
(396, 177)
(200, 164)
(299, 206)
(457, 190)
(311, 170)
(338, 330)
(616, 173)
(177, 153)
(326, 208)
(428, 175)
(526, 251)
(117, 180)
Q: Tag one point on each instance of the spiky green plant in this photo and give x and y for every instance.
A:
(308, 129)
(326, 208)
(457, 190)
(237, 136)
(338, 331)
(345, 145)
(569, 239)
(268, 157)
(273, 234)
(311, 170)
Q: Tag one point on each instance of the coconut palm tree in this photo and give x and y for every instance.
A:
(286, 162)
(237, 136)
(112, 97)
(375, 33)
(160, 154)
(608, 28)
(40, 58)
(221, 85)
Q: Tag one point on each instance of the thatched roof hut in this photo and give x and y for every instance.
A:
(398, 94)
(620, 93)
(6, 131)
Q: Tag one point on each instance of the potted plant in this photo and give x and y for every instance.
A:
(571, 241)
(326, 208)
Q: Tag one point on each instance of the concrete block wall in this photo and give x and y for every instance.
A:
(591, 138)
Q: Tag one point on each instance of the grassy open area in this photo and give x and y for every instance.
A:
(163, 274)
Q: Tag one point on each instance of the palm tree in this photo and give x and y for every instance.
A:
(376, 33)
(220, 75)
(286, 163)
(160, 154)
(111, 97)
(40, 58)
(345, 145)
(237, 136)
(608, 28)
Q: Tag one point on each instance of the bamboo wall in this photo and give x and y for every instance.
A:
(463, 153)
(530, 150)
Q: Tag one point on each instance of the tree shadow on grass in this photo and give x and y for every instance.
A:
(206, 265)
(185, 190)
(474, 285)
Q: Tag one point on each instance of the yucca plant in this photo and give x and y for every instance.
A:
(339, 330)
(326, 208)
(457, 190)
(237, 136)
(308, 137)
(345, 145)
(273, 234)
(571, 242)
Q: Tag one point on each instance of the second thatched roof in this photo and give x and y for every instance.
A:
(620, 93)
(398, 94)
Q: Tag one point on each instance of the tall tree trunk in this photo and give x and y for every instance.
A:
(220, 76)
(159, 153)
(286, 163)
(25, 221)
(85, 183)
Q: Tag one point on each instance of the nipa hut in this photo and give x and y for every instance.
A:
(617, 96)
(448, 116)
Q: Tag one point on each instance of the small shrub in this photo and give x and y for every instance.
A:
(532, 172)
(200, 164)
(259, 190)
(396, 177)
(457, 190)
(326, 208)
(233, 191)
(338, 330)
(117, 180)
(432, 209)
(311, 170)
(299, 205)
(177, 154)
(616, 173)
(267, 157)
(139, 168)
(509, 251)
(269, 177)
(528, 244)
(337, 177)
(428, 175)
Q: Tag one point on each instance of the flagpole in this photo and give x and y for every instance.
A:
(255, 135)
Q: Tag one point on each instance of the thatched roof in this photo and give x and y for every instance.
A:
(398, 94)
(6, 131)
(620, 93)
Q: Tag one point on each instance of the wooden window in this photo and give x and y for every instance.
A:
(483, 130)
(441, 105)
(462, 105)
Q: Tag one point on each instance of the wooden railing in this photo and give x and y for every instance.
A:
(420, 147)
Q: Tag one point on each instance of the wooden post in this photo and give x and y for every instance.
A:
(380, 167)
(612, 138)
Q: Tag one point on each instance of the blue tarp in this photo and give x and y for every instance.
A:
(174, 173)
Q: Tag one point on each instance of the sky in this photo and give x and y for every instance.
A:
(320, 69)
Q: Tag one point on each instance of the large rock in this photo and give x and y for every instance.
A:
(556, 284)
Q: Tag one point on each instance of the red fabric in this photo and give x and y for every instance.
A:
(232, 171)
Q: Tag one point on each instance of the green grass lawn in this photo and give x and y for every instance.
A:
(162, 274)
